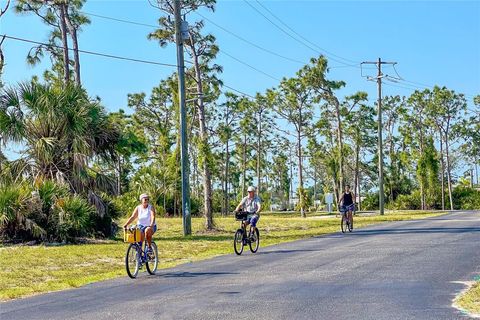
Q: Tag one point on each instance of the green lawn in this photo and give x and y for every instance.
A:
(29, 270)
(470, 300)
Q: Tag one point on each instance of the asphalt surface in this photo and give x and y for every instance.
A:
(399, 270)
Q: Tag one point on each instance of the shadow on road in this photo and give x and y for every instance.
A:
(193, 274)
(285, 251)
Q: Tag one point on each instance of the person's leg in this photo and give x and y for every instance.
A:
(148, 234)
(253, 222)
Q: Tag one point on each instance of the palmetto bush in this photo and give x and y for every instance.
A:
(52, 190)
(46, 213)
(18, 212)
(75, 218)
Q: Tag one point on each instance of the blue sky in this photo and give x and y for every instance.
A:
(434, 42)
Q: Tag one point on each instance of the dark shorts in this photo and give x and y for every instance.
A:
(143, 228)
(253, 219)
(349, 207)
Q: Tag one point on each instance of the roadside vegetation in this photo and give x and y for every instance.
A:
(470, 300)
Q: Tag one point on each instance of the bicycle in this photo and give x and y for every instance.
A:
(345, 223)
(136, 256)
(241, 238)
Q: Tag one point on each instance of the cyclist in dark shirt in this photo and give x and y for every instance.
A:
(347, 200)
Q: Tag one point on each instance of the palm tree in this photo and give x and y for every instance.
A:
(62, 130)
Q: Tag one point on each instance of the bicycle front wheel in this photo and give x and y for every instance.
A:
(132, 260)
(152, 260)
(343, 223)
(238, 242)
(254, 241)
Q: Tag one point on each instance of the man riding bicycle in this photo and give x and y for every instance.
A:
(251, 205)
(145, 212)
(347, 201)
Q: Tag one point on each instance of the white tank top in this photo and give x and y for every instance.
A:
(144, 215)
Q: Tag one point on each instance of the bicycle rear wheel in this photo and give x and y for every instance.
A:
(254, 241)
(152, 260)
(343, 223)
(238, 242)
(132, 260)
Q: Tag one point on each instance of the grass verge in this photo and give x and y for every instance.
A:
(29, 270)
(469, 301)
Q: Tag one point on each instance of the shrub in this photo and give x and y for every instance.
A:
(74, 218)
(17, 213)
(370, 202)
(407, 201)
(466, 198)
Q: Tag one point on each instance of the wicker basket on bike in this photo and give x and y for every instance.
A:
(241, 215)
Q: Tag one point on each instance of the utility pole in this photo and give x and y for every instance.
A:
(379, 77)
(179, 37)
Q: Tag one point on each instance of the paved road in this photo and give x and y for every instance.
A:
(401, 270)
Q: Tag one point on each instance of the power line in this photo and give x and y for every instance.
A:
(222, 51)
(238, 91)
(220, 27)
(296, 39)
(302, 37)
(119, 20)
(406, 85)
(93, 53)
(250, 66)
(416, 85)
(248, 41)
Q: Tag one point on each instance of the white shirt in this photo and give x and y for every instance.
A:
(144, 215)
(250, 204)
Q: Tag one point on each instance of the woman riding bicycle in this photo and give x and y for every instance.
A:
(145, 213)
(347, 201)
(251, 205)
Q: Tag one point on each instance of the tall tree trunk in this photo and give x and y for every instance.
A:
(393, 177)
(340, 142)
(259, 151)
(76, 57)
(422, 185)
(476, 169)
(204, 153)
(244, 165)
(359, 193)
(227, 162)
(314, 186)
(300, 174)
(335, 191)
(66, 59)
(290, 190)
(449, 176)
(357, 167)
(443, 171)
(119, 180)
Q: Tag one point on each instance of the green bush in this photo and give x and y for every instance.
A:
(407, 201)
(48, 212)
(370, 202)
(74, 218)
(465, 198)
(17, 213)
